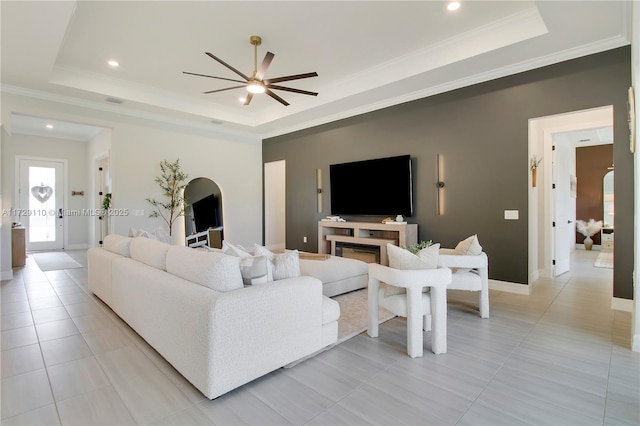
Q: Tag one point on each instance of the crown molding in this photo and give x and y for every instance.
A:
(118, 110)
(585, 50)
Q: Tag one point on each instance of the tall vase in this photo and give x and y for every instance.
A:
(588, 243)
(534, 177)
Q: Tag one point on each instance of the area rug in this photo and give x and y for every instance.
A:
(54, 261)
(354, 314)
(604, 260)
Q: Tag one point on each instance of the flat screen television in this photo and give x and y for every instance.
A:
(379, 187)
(206, 213)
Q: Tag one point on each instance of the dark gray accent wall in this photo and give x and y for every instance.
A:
(482, 133)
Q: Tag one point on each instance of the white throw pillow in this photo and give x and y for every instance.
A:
(234, 250)
(161, 234)
(470, 246)
(254, 270)
(403, 259)
(281, 265)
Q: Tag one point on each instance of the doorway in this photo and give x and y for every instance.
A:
(41, 184)
(547, 204)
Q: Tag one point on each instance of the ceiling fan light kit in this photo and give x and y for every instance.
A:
(257, 84)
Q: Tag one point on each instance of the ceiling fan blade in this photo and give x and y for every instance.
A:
(227, 65)
(290, 77)
(276, 97)
(264, 65)
(222, 90)
(289, 89)
(247, 100)
(212, 76)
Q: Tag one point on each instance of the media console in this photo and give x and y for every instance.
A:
(365, 234)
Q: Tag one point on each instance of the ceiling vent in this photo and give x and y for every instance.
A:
(114, 100)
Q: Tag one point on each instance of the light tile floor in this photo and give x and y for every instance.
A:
(557, 357)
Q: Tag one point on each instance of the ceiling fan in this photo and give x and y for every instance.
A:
(257, 83)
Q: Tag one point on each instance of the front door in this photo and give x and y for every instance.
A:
(41, 203)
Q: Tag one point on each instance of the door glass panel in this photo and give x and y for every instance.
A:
(42, 204)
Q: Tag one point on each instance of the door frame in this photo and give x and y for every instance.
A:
(65, 189)
(541, 244)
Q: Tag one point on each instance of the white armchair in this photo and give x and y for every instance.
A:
(420, 309)
(470, 272)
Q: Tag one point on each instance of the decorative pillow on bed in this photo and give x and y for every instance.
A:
(470, 246)
(400, 258)
(282, 265)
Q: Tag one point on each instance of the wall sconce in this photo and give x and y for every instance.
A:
(319, 188)
(440, 183)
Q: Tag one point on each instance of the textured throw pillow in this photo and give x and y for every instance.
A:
(233, 250)
(281, 265)
(403, 259)
(254, 270)
(470, 246)
(216, 271)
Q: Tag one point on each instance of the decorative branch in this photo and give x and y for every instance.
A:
(171, 181)
(535, 162)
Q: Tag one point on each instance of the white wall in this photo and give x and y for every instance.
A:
(138, 145)
(6, 272)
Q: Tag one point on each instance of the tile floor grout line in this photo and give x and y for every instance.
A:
(508, 357)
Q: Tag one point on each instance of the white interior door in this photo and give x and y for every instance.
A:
(564, 209)
(41, 203)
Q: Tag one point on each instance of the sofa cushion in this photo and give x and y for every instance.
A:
(335, 268)
(330, 310)
(118, 244)
(217, 271)
(150, 252)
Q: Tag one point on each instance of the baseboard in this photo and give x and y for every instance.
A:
(77, 247)
(509, 287)
(619, 304)
(6, 275)
(534, 276)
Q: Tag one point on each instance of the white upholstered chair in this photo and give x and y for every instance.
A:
(421, 309)
(470, 272)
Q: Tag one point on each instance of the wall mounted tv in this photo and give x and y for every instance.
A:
(206, 213)
(379, 187)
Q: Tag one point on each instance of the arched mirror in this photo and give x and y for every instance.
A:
(203, 215)
(607, 197)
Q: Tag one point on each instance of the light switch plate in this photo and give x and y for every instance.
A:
(511, 214)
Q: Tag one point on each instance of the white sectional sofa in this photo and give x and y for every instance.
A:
(193, 308)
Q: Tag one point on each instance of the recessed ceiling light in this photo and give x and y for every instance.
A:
(49, 126)
(243, 100)
(113, 63)
(454, 5)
